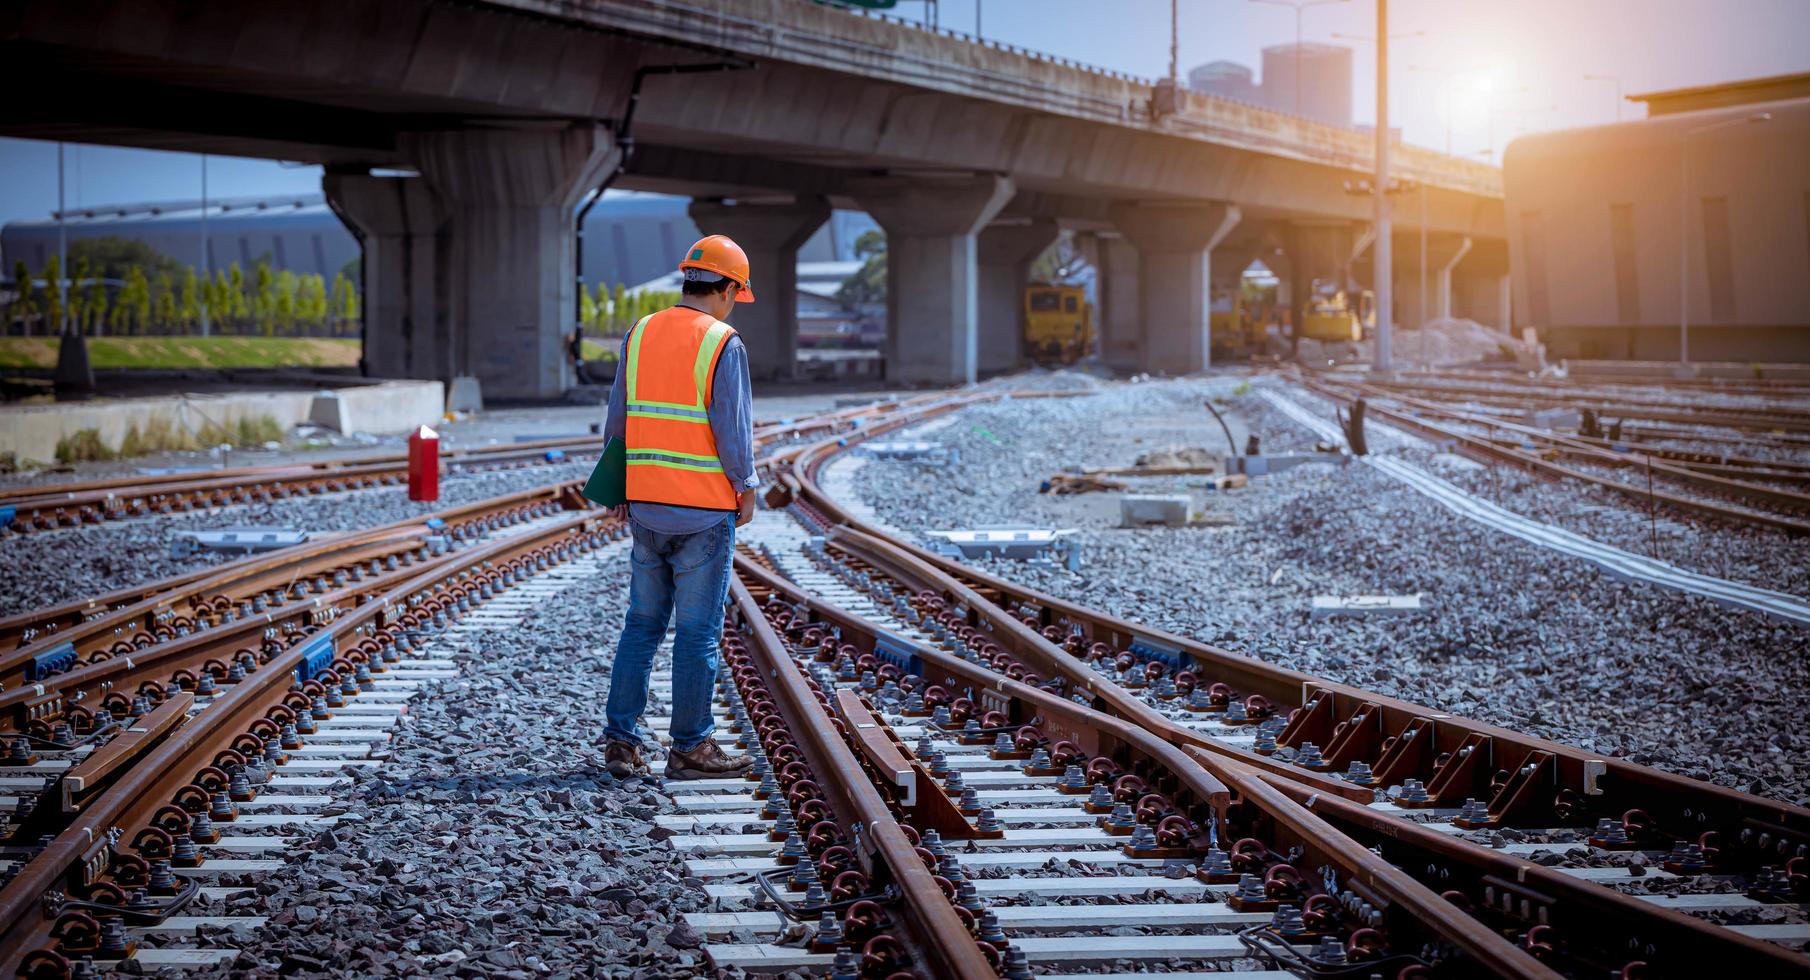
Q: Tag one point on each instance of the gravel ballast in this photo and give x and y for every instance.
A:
(492, 842)
(46, 568)
(1511, 633)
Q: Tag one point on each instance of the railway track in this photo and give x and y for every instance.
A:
(1742, 490)
(920, 611)
(957, 776)
(135, 725)
(26, 509)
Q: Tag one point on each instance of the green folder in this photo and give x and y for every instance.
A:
(608, 484)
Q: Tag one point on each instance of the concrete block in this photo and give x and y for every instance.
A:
(1553, 418)
(328, 411)
(465, 396)
(1139, 509)
(1328, 606)
(393, 406)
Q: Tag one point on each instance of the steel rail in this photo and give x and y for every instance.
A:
(1674, 944)
(934, 932)
(1729, 417)
(1200, 783)
(80, 854)
(1487, 450)
(1683, 473)
(103, 624)
(74, 613)
(1565, 785)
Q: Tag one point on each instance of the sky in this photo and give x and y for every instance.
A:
(1520, 66)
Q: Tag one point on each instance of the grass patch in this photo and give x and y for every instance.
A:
(159, 435)
(594, 351)
(168, 353)
(85, 446)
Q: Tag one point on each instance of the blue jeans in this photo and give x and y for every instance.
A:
(686, 574)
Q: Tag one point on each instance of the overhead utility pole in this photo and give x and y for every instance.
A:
(1385, 270)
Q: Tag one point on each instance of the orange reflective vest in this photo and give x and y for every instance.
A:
(672, 455)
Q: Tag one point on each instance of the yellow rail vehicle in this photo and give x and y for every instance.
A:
(1058, 324)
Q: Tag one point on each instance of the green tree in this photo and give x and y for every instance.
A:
(94, 304)
(238, 298)
(264, 298)
(22, 309)
(110, 256)
(344, 304)
(220, 302)
(587, 308)
(283, 295)
(53, 297)
(78, 294)
(188, 302)
(618, 307)
(136, 296)
(867, 287)
(163, 303)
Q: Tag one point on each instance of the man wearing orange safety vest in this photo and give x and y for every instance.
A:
(682, 405)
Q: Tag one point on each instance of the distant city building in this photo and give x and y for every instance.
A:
(1324, 79)
(1224, 78)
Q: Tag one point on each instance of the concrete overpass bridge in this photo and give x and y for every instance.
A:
(460, 136)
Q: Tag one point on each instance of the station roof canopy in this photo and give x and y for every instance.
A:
(1769, 89)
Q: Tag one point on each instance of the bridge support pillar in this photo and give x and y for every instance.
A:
(511, 198)
(1121, 322)
(931, 304)
(1004, 254)
(771, 233)
(1175, 244)
(397, 221)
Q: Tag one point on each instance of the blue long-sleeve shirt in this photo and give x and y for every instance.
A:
(731, 412)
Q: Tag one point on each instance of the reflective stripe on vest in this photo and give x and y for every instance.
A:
(668, 375)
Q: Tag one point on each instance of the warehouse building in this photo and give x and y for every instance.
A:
(1716, 183)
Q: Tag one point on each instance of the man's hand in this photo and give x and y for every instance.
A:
(619, 512)
(744, 507)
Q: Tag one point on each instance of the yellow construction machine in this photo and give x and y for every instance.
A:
(1235, 330)
(1058, 323)
(1329, 315)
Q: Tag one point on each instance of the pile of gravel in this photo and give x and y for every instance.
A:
(45, 568)
(493, 842)
(1512, 634)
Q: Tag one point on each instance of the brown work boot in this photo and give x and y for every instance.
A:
(704, 762)
(623, 760)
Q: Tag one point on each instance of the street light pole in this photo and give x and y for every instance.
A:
(207, 272)
(1384, 253)
(62, 251)
(1684, 231)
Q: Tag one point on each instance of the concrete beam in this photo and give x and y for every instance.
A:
(1004, 253)
(931, 303)
(398, 221)
(1175, 244)
(771, 234)
(511, 197)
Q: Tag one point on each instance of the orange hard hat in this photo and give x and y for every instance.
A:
(721, 255)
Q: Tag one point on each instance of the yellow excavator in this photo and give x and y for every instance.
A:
(1331, 316)
(1058, 323)
(1235, 330)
